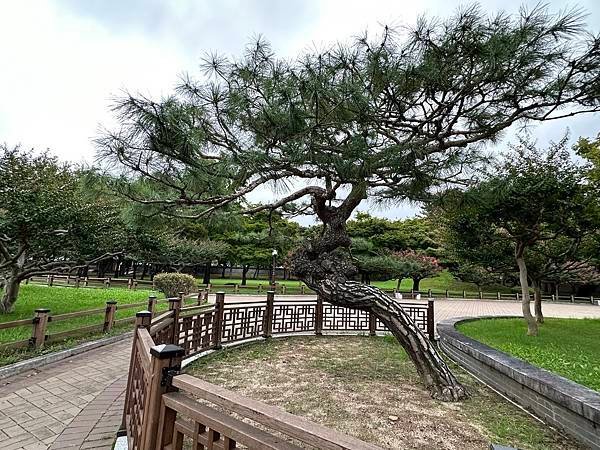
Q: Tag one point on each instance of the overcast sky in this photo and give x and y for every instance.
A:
(62, 61)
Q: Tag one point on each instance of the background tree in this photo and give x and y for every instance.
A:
(45, 226)
(384, 118)
(590, 151)
(531, 200)
(419, 266)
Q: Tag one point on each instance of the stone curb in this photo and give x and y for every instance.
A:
(40, 361)
(566, 404)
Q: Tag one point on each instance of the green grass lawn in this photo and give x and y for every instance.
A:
(60, 300)
(443, 281)
(568, 347)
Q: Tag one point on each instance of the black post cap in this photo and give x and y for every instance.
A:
(111, 302)
(42, 310)
(165, 351)
(143, 314)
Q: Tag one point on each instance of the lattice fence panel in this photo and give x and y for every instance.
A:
(243, 322)
(195, 332)
(339, 318)
(294, 318)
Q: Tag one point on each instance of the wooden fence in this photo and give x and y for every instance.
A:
(161, 405)
(42, 317)
(300, 288)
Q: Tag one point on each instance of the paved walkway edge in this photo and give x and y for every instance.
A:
(40, 361)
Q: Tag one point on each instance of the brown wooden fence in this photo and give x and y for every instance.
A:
(300, 288)
(161, 406)
(106, 322)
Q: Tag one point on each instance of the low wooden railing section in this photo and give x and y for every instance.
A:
(300, 288)
(162, 408)
(107, 320)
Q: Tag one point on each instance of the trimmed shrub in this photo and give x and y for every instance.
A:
(174, 283)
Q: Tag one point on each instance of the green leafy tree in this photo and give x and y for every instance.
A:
(380, 118)
(45, 227)
(590, 151)
(532, 199)
(419, 266)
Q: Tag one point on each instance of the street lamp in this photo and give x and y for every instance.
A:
(272, 274)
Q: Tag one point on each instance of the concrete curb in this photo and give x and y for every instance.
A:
(561, 402)
(40, 361)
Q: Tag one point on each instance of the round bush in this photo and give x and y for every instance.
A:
(174, 283)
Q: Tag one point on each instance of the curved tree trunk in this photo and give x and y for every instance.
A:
(432, 369)
(532, 326)
(10, 294)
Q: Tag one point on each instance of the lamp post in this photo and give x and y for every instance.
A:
(272, 274)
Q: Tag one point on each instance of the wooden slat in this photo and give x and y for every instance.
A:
(73, 333)
(271, 416)
(71, 315)
(15, 323)
(158, 327)
(240, 431)
(14, 345)
(161, 317)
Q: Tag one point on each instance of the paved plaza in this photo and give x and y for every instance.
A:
(77, 403)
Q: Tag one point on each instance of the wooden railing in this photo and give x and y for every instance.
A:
(106, 322)
(161, 405)
(75, 281)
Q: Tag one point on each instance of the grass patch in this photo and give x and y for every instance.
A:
(367, 387)
(61, 300)
(568, 347)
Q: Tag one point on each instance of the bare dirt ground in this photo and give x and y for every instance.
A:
(368, 388)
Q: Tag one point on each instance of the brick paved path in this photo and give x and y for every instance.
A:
(76, 403)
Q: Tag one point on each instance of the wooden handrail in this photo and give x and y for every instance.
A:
(235, 429)
(271, 416)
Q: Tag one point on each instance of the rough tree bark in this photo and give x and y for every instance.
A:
(11, 292)
(532, 326)
(537, 301)
(325, 265)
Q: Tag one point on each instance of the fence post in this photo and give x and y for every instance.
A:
(175, 306)
(208, 286)
(480, 295)
(447, 294)
(464, 294)
(109, 315)
(428, 293)
(142, 320)
(86, 281)
(497, 295)
(372, 324)
(68, 278)
(283, 289)
(50, 280)
(517, 296)
(152, 304)
(259, 288)
(77, 282)
(218, 324)
(319, 316)
(129, 283)
(268, 317)
(302, 289)
(40, 322)
(592, 299)
(572, 298)
(236, 288)
(430, 320)
(106, 283)
(166, 362)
